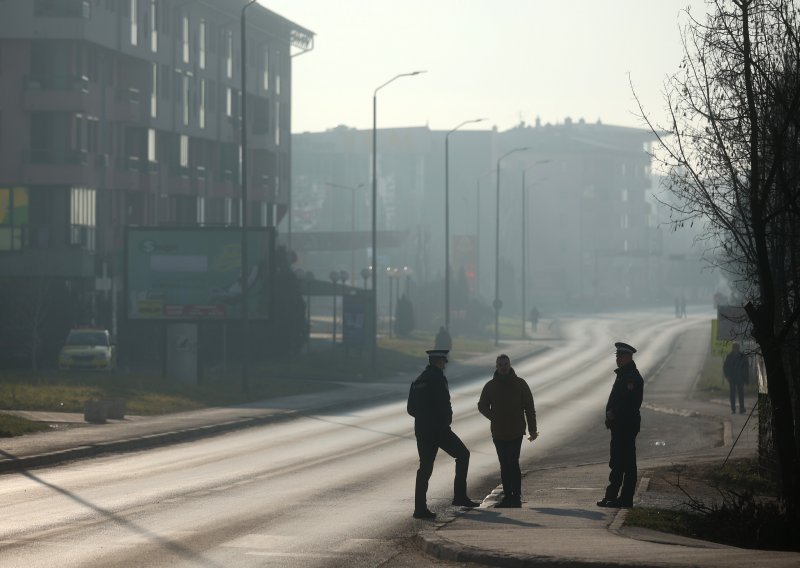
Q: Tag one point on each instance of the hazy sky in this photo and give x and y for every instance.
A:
(506, 60)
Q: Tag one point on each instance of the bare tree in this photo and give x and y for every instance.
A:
(731, 154)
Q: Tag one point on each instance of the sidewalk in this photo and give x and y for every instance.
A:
(560, 524)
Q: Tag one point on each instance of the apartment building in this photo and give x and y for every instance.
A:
(591, 238)
(128, 112)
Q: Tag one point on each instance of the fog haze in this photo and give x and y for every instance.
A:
(508, 60)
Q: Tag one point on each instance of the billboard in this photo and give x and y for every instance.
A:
(356, 321)
(194, 274)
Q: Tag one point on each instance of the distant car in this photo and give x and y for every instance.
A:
(88, 350)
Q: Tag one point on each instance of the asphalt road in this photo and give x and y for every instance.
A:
(333, 489)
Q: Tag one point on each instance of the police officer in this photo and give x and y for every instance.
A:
(429, 404)
(624, 420)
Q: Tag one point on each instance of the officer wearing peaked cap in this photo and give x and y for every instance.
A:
(429, 404)
(624, 421)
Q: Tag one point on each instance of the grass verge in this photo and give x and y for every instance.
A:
(148, 393)
(11, 425)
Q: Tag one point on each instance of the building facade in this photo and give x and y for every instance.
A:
(128, 112)
(590, 239)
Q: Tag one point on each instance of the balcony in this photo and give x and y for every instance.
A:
(57, 167)
(53, 93)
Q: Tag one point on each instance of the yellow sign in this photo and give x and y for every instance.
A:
(150, 308)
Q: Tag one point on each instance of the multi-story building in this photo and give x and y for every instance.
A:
(128, 112)
(591, 237)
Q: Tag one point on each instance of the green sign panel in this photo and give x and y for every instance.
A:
(194, 274)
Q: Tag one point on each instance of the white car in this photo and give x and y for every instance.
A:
(88, 350)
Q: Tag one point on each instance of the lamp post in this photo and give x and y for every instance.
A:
(478, 232)
(243, 172)
(309, 278)
(365, 272)
(447, 219)
(374, 350)
(353, 190)
(524, 240)
(497, 304)
(393, 274)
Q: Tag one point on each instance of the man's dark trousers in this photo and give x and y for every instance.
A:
(510, 474)
(623, 466)
(428, 445)
(737, 387)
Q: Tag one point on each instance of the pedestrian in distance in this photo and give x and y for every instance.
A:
(534, 317)
(624, 421)
(429, 404)
(736, 369)
(443, 340)
(506, 400)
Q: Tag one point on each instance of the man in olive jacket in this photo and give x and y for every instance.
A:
(429, 404)
(624, 420)
(506, 400)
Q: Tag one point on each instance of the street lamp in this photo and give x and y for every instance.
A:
(243, 172)
(447, 219)
(374, 349)
(365, 272)
(478, 232)
(393, 274)
(497, 304)
(524, 238)
(353, 190)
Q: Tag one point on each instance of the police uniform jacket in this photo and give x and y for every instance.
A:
(429, 402)
(506, 401)
(625, 400)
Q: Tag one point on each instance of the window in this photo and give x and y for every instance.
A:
(152, 155)
(185, 82)
(185, 38)
(278, 73)
(265, 69)
(624, 195)
(228, 220)
(82, 217)
(277, 123)
(202, 45)
(184, 151)
(13, 217)
(134, 13)
(154, 92)
(153, 25)
(229, 53)
(201, 209)
(228, 101)
(201, 110)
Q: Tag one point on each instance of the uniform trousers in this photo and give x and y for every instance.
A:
(510, 473)
(623, 465)
(428, 444)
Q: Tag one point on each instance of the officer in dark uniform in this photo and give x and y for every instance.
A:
(624, 420)
(429, 404)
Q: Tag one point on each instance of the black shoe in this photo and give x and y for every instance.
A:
(741, 411)
(733, 411)
(625, 504)
(465, 502)
(424, 514)
(509, 503)
(606, 502)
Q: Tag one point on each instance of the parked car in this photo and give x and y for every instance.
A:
(88, 349)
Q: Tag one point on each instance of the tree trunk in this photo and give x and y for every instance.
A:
(781, 402)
